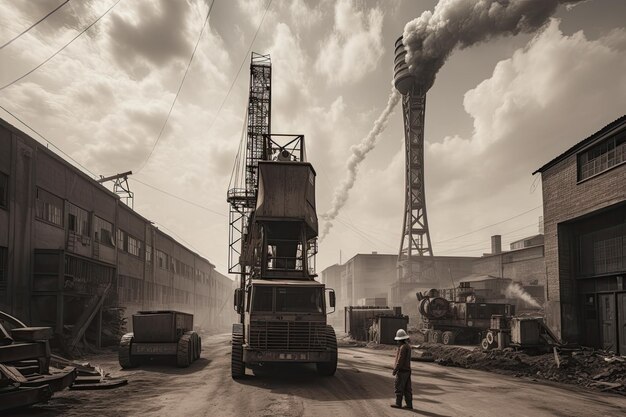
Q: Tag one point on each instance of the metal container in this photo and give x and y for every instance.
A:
(385, 328)
(525, 331)
(359, 319)
(161, 326)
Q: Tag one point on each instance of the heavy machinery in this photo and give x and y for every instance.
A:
(455, 322)
(160, 333)
(273, 241)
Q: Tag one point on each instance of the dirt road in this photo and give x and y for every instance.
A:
(362, 386)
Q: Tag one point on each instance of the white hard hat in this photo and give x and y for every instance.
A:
(401, 335)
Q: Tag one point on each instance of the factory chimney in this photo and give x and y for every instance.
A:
(496, 244)
(415, 241)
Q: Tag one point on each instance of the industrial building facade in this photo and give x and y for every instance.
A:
(584, 198)
(367, 277)
(66, 241)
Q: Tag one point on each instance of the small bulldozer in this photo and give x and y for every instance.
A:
(160, 333)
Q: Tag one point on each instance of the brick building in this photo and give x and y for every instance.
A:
(584, 199)
(65, 241)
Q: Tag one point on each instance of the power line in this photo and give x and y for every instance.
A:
(488, 226)
(474, 245)
(48, 140)
(7, 43)
(362, 234)
(64, 46)
(245, 58)
(180, 86)
(178, 197)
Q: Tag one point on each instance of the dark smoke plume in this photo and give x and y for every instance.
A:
(431, 38)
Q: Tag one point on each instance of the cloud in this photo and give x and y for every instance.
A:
(534, 106)
(354, 47)
(154, 32)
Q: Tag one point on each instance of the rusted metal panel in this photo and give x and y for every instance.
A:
(292, 197)
(161, 326)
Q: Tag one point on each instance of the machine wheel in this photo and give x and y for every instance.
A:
(237, 368)
(436, 336)
(329, 368)
(184, 351)
(448, 337)
(491, 338)
(126, 359)
(484, 344)
(194, 345)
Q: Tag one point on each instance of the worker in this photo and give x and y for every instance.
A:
(402, 371)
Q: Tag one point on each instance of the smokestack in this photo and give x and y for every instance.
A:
(430, 39)
(496, 244)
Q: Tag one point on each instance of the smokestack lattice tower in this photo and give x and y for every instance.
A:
(415, 240)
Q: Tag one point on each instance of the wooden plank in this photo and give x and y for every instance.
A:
(12, 373)
(87, 317)
(31, 334)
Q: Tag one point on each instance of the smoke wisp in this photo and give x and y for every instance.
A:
(358, 153)
(515, 290)
(431, 38)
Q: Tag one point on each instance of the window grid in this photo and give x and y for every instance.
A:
(601, 157)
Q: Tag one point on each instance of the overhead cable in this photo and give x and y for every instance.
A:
(62, 48)
(48, 140)
(178, 197)
(180, 86)
(7, 43)
(245, 59)
(490, 225)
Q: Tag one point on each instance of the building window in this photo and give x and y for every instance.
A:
(49, 207)
(104, 231)
(4, 190)
(148, 253)
(134, 246)
(122, 240)
(611, 152)
(78, 220)
(162, 259)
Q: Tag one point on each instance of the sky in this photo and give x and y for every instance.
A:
(497, 110)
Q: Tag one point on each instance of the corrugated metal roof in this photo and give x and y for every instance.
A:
(585, 142)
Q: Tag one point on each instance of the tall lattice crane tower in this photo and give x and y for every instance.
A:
(415, 243)
(244, 183)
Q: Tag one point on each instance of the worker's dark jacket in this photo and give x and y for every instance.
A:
(403, 358)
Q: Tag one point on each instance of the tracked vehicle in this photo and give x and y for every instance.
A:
(160, 333)
(273, 241)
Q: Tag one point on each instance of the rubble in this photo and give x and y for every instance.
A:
(596, 369)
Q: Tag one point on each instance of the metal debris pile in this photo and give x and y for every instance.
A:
(30, 373)
(589, 368)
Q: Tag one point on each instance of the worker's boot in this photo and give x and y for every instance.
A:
(398, 403)
(409, 402)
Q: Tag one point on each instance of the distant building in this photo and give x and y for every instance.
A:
(331, 277)
(374, 276)
(527, 242)
(65, 240)
(584, 206)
